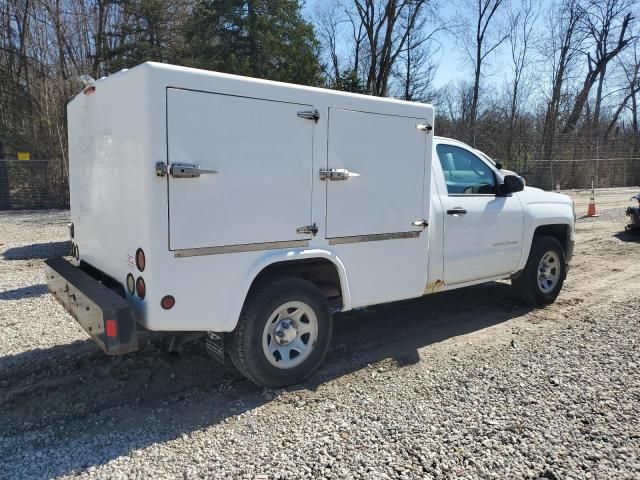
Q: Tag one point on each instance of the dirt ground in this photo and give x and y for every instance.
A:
(58, 391)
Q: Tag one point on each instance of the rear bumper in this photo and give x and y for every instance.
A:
(108, 318)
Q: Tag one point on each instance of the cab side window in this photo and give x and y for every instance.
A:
(464, 172)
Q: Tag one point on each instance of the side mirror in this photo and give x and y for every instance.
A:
(512, 183)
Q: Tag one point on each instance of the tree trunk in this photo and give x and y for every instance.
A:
(596, 108)
(253, 44)
(581, 100)
(474, 98)
(551, 115)
(636, 137)
(597, 68)
(99, 40)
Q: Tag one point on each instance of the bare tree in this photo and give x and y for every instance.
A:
(385, 36)
(630, 67)
(416, 65)
(481, 37)
(606, 24)
(522, 23)
(327, 20)
(564, 42)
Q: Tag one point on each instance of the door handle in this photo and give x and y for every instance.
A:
(457, 211)
(187, 170)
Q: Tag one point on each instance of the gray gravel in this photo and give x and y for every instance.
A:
(421, 389)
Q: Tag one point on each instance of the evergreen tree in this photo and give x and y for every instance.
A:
(257, 38)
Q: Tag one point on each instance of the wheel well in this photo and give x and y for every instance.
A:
(559, 231)
(321, 272)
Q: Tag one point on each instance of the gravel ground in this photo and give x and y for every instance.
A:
(422, 389)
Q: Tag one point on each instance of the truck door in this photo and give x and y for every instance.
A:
(253, 183)
(380, 163)
(482, 231)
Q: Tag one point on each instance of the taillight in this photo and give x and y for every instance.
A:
(141, 288)
(111, 328)
(167, 302)
(141, 261)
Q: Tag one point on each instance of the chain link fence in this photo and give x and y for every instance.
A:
(33, 184)
(582, 173)
(574, 161)
(576, 164)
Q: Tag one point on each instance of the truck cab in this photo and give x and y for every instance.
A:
(488, 233)
(250, 212)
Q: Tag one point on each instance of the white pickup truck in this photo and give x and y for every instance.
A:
(252, 210)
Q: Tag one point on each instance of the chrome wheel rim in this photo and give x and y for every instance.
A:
(290, 335)
(549, 271)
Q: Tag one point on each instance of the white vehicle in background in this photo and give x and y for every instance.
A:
(252, 210)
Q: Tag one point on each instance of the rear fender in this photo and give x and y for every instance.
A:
(289, 256)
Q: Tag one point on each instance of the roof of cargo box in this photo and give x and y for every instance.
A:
(176, 76)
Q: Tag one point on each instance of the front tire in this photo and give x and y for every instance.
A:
(543, 276)
(283, 333)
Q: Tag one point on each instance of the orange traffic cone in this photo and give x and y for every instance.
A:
(591, 210)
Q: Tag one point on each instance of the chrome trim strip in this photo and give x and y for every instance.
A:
(250, 247)
(373, 238)
(472, 195)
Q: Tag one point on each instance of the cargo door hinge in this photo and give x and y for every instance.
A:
(424, 127)
(161, 169)
(310, 115)
(308, 230)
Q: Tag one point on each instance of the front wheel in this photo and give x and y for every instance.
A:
(283, 333)
(543, 276)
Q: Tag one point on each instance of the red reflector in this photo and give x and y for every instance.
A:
(167, 302)
(141, 261)
(111, 328)
(89, 90)
(141, 288)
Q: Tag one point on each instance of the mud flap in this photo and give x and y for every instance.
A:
(215, 346)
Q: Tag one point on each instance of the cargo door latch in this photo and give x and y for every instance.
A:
(310, 115)
(334, 174)
(181, 170)
(308, 230)
(420, 223)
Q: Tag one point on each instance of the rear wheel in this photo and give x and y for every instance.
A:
(283, 333)
(543, 276)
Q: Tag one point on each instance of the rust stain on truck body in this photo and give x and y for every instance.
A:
(434, 287)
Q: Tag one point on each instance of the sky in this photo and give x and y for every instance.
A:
(451, 60)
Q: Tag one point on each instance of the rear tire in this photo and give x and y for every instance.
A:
(543, 276)
(283, 333)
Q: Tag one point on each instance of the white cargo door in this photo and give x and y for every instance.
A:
(262, 153)
(386, 160)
